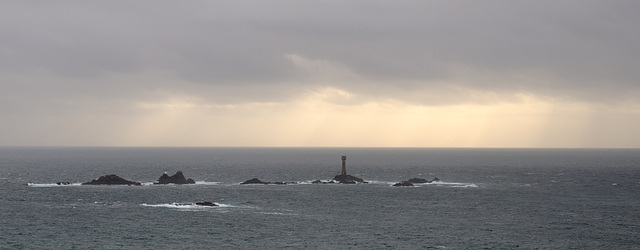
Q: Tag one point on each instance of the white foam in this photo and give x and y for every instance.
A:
(207, 183)
(187, 205)
(311, 181)
(278, 213)
(390, 183)
(52, 184)
(451, 184)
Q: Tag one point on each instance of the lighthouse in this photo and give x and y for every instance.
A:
(344, 178)
(344, 165)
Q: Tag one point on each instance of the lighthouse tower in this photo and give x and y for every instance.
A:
(344, 165)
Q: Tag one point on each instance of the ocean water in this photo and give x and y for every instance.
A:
(487, 199)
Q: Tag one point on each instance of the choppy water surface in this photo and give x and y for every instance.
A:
(488, 198)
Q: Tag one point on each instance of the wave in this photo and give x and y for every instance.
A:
(207, 183)
(52, 184)
(278, 213)
(390, 183)
(188, 205)
(311, 181)
(449, 184)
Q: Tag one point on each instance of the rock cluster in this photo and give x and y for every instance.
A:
(410, 182)
(177, 178)
(111, 180)
(348, 179)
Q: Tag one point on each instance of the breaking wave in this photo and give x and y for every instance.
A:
(449, 184)
(390, 183)
(52, 184)
(188, 205)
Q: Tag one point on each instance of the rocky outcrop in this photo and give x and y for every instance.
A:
(253, 181)
(258, 181)
(348, 179)
(206, 204)
(202, 203)
(177, 178)
(403, 184)
(111, 180)
(63, 183)
(410, 182)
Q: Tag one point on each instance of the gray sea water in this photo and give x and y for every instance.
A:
(487, 199)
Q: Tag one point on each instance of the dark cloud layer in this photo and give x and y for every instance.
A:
(237, 51)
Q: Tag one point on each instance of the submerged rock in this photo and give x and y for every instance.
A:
(258, 181)
(403, 184)
(202, 203)
(254, 181)
(111, 180)
(348, 179)
(177, 178)
(206, 203)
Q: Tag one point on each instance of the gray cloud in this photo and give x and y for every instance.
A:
(237, 51)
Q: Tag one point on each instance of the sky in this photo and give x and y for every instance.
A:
(551, 74)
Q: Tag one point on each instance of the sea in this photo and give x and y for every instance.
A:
(485, 199)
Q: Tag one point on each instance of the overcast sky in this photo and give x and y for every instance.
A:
(320, 73)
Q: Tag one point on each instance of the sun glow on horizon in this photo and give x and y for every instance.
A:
(320, 119)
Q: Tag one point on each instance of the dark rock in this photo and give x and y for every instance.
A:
(206, 203)
(258, 181)
(420, 180)
(403, 184)
(111, 180)
(348, 179)
(63, 183)
(177, 178)
(202, 203)
(410, 182)
(254, 181)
